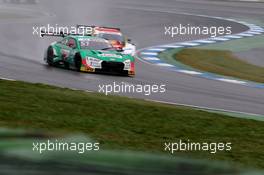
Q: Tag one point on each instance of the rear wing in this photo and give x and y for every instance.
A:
(109, 28)
(45, 33)
(84, 26)
(62, 34)
(98, 27)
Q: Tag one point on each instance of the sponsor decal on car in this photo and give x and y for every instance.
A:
(110, 55)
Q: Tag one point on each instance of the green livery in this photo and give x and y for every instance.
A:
(89, 54)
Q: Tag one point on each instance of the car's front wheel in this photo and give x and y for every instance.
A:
(78, 62)
(50, 56)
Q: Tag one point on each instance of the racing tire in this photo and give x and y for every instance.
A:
(50, 56)
(78, 62)
(66, 65)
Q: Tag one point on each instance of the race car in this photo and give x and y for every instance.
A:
(88, 54)
(116, 38)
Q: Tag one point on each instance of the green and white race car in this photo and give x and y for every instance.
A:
(88, 54)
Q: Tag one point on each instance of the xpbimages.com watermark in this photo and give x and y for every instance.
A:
(188, 29)
(58, 146)
(51, 29)
(189, 146)
(123, 87)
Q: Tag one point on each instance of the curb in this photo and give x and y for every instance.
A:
(151, 54)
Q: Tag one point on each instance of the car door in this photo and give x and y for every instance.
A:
(61, 48)
(68, 49)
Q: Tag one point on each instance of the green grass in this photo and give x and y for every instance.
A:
(220, 62)
(122, 123)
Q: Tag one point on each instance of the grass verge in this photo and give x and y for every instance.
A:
(122, 123)
(220, 62)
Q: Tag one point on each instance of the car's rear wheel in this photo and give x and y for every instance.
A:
(78, 62)
(50, 56)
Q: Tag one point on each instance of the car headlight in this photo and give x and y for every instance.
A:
(93, 62)
(127, 64)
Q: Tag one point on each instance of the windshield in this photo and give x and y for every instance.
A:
(115, 37)
(94, 44)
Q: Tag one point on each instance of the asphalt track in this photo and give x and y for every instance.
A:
(21, 53)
